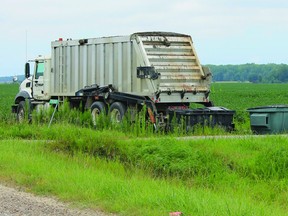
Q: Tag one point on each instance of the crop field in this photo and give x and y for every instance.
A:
(240, 96)
(7, 95)
(136, 172)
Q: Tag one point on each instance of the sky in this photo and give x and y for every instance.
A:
(223, 31)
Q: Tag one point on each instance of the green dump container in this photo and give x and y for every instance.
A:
(269, 119)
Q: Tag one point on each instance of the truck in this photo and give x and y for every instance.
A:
(159, 70)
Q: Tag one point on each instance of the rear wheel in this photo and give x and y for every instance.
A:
(117, 111)
(97, 108)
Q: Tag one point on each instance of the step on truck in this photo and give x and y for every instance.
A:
(160, 70)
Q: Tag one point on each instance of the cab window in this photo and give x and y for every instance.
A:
(39, 69)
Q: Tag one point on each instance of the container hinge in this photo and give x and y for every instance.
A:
(206, 73)
(182, 94)
(157, 94)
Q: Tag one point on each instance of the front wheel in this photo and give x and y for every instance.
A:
(21, 111)
(24, 111)
(117, 111)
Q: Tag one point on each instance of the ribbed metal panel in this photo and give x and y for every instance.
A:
(100, 61)
(175, 59)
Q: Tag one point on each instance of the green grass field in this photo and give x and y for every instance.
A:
(127, 174)
(7, 95)
(241, 96)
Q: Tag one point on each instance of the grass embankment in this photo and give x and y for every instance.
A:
(110, 171)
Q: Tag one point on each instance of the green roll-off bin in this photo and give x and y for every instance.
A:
(269, 119)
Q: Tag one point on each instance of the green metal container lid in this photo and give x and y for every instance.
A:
(269, 108)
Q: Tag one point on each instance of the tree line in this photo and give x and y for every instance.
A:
(256, 73)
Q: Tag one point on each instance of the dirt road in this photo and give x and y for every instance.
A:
(16, 203)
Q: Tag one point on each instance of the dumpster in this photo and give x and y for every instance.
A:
(269, 119)
(208, 116)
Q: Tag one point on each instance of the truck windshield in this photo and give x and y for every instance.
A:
(39, 69)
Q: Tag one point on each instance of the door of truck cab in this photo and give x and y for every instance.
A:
(38, 81)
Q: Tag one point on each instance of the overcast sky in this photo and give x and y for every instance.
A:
(223, 31)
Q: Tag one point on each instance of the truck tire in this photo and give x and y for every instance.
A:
(117, 111)
(97, 108)
(21, 112)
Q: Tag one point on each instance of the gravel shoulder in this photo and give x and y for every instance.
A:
(14, 202)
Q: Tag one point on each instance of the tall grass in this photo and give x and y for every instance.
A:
(254, 158)
(149, 176)
(109, 185)
(134, 123)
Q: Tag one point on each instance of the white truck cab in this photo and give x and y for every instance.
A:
(34, 87)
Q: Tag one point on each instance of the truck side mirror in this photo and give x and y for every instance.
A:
(27, 70)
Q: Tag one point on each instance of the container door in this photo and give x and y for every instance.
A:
(38, 82)
(174, 57)
(175, 70)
